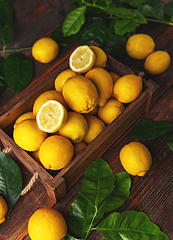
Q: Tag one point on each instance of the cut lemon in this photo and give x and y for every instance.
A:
(82, 59)
(51, 116)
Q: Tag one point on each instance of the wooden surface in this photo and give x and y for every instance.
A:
(152, 193)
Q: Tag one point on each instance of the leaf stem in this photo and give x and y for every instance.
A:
(159, 21)
(90, 227)
(15, 50)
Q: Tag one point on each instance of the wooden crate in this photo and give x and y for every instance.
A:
(57, 183)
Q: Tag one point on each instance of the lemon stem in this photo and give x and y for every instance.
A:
(15, 50)
(159, 21)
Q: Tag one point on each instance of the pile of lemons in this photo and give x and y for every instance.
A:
(86, 98)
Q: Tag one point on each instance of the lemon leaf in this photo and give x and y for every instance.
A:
(18, 71)
(6, 12)
(10, 180)
(3, 84)
(97, 177)
(6, 34)
(130, 225)
(123, 26)
(74, 21)
(149, 129)
(169, 141)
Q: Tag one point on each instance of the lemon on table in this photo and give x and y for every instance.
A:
(82, 59)
(112, 109)
(80, 94)
(3, 209)
(75, 128)
(101, 57)
(62, 78)
(140, 45)
(78, 147)
(24, 116)
(103, 82)
(56, 152)
(47, 224)
(45, 50)
(45, 96)
(95, 127)
(51, 116)
(28, 136)
(127, 88)
(135, 158)
(157, 62)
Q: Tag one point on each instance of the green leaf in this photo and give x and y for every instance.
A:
(82, 212)
(123, 26)
(18, 71)
(140, 18)
(97, 177)
(169, 10)
(95, 31)
(149, 129)
(153, 9)
(69, 237)
(134, 3)
(74, 21)
(6, 12)
(119, 195)
(6, 34)
(10, 180)
(3, 84)
(122, 12)
(169, 141)
(130, 225)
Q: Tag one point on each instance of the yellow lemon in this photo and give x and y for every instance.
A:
(95, 127)
(140, 45)
(157, 62)
(3, 209)
(127, 88)
(101, 57)
(80, 94)
(56, 152)
(45, 50)
(51, 116)
(28, 136)
(135, 158)
(115, 76)
(62, 78)
(75, 128)
(45, 96)
(27, 115)
(82, 59)
(112, 109)
(78, 147)
(103, 82)
(47, 224)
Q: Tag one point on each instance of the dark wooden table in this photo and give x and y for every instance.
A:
(152, 193)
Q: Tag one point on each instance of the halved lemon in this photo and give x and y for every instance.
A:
(82, 59)
(51, 116)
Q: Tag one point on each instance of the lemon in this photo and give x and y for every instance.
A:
(157, 62)
(75, 128)
(62, 78)
(45, 50)
(103, 82)
(115, 76)
(80, 94)
(28, 136)
(112, 109)
(27, 115)
(95, 127)
(47, 224)
(135, 158)
(3, 209)
(127, 88)
(35, 156)
(45, 96)
(82, 59)
(56, 152)
(101, 57)
(139, 46)
(51, 116)
(78, 147)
